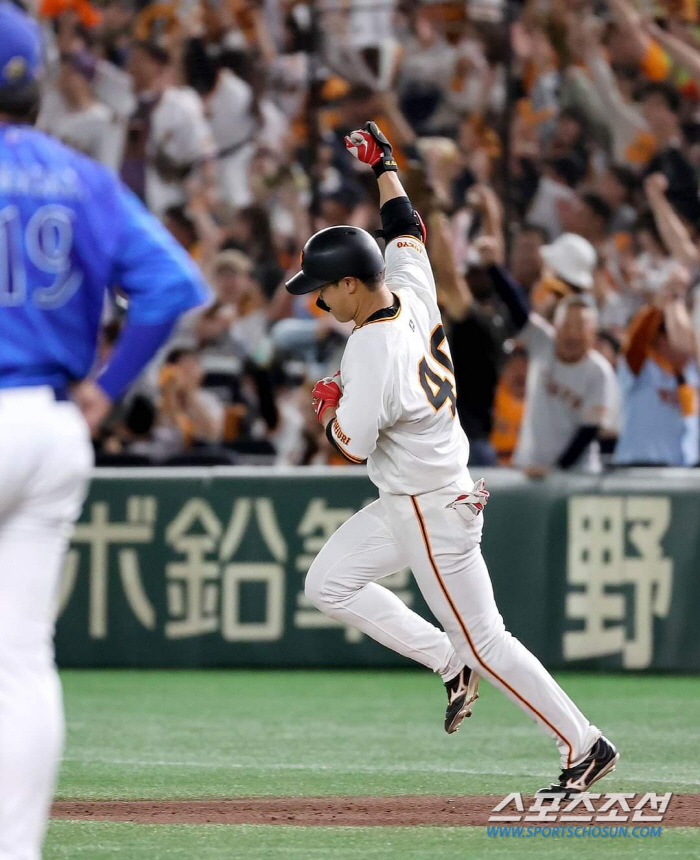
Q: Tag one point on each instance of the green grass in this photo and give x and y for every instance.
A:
(229, 734)
(92, 841)
(234, 734)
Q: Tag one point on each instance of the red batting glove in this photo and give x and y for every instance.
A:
(326, 394)
(371, 146)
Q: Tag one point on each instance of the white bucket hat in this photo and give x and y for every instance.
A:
(572, 258)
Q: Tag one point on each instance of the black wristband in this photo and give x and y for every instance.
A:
(386, 164)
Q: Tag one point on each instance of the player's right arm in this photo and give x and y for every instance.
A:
(403, 229)
(354, 414)
(158, 277)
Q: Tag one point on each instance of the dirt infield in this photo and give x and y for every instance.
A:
(683, 811)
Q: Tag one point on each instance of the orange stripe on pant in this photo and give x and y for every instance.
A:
(463, 626)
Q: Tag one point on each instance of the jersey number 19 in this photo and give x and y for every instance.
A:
(46, 243)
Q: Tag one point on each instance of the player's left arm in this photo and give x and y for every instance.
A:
(403, 229)
(354, 414)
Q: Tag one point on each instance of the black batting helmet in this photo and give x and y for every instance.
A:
(335, 253)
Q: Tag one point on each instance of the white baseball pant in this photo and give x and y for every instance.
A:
(442, 548)
(45, 463)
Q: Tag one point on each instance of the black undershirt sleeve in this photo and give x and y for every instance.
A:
(581, 440)
(512, 295)
(331, 439)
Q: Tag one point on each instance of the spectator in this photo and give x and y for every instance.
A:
(168, 135)
(84, 122)
(617, 186)
(185, 406)
(237, 144)
(608, 346)
(251, 232)
(568, 268)
(588, 215)
(526, 259)
(240, 118)
(425, 73)
(659, 382)
(556, 186)
(236, 323)
(653, 265)
(509, 406)
(570, 391)
(661, 104)
(477, 327)
(632, 141)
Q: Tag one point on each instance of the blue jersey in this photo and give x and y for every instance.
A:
(68, 230)
(655, 429)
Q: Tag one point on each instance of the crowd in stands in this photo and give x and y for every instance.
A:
(553, 149)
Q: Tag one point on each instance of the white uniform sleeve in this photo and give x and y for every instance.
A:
(599, 399)
(367, 404)
(407, 265)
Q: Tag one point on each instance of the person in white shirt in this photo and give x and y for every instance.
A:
(81, 121)
(393, 404)
(168, 136)
(571, 390)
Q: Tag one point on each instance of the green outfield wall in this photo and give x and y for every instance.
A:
(205, 567)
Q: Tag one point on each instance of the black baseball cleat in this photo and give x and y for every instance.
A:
(599, 762)
(462, 692)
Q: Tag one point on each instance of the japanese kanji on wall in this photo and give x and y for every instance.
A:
(202, 571)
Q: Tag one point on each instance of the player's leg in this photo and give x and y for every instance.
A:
(34, 529)
(341, 582)
(445, 557)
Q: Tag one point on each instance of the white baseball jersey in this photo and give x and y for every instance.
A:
(398, 409)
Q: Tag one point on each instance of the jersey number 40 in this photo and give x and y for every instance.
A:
(438, 389)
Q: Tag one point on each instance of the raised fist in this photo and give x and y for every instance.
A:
(370, 146)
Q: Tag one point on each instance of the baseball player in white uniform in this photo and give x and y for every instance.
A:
(392, 404)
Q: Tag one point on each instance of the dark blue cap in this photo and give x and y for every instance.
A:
(20, 47)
